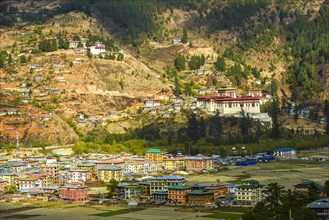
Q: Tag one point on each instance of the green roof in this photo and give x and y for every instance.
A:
(179, 187)
(199, 192)
(154, 150)
(285, 149)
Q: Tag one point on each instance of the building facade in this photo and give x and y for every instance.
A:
(154, 154)
(162, 183)
(198, 163)
(74, 193)
(199, 197)
(107, 174)
(178, 193)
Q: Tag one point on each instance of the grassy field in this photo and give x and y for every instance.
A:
(226, 215)
(320, 153)
(118, 212)
(285, 172)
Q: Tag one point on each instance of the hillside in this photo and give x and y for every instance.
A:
(155, 50)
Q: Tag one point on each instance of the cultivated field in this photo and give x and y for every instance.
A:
(8, 211)
(285, 172)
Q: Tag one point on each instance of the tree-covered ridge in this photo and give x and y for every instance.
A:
(235, 13)
(309, 47)
(138, 17)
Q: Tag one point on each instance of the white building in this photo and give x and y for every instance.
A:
(229, 105)
(142, 167)
(80, 176)
(152, 103)
(285, 152)
(97, 48)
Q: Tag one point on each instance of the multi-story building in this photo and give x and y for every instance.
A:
(177, 163)
(91, 167)
(17, 167)
(142, 167)
(219, 190)
(74, 193)
(78, 176)
(109, 173)
(305, 187)
(110, 163)
(154, 154)
(178, 193)
(9, 177)
(321, 208)
(229, 105)
(198, 163)
(3, 184)
(199, 197)
(162, 183)
(250, 192)
(160, 196)
(31, 182)
(131, 191)
(145, 187)
(51, 170)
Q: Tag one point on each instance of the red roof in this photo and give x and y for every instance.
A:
(221, 98)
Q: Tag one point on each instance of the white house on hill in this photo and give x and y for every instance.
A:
(97, 48)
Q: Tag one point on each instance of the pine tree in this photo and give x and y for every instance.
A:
(202, 128)
(184, 37)
(23, 59)
(202, 60)
(326, 113)
(220, 64)
(177, 90)
(192, 127)
(2, 61)
(275, 111)
(194, 63)
(179, 62)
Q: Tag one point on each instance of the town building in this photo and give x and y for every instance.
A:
(176, 163)
(219, 190)
(91, 167)
(145, 188)
(160, 196)
(3, 184)
(152, 103)
(17, 167)
(31, 182)
(198, 163)
(154, 154)
(199, 197)
(130, 191)
(106, 174)
(9, 177)
(140, 166)
(70, 193)
(251, 192)
(162, 183)
(78, 176)
(305, 187)
(285, 152)
(321, 208)
(178, 193)
(51, 170)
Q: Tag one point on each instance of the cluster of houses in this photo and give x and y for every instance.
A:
(69, 178)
